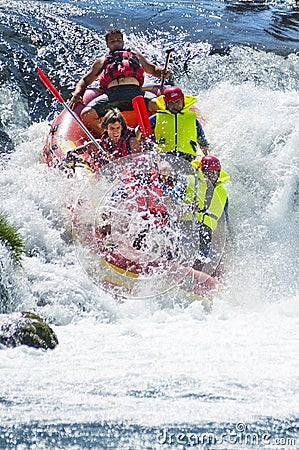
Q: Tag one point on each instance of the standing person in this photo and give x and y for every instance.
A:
(176, 128)
(121, 75)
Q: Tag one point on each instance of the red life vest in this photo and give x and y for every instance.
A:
(91, 159)
(121, 149)
(96, 159)
(121, 64)
(147, 196)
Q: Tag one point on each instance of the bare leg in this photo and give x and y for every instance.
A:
(152, 106)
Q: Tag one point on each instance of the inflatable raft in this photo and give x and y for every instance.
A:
(165, 257)
(66, 135)
(130, 239)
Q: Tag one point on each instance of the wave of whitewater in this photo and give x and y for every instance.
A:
(252, 128)
(164, 363)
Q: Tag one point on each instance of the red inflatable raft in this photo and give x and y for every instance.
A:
(120, 268)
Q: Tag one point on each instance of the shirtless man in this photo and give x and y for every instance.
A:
(121, 75)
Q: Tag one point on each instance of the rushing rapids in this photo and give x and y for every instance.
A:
(156, 372)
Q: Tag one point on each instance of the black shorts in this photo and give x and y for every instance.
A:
(119, 97)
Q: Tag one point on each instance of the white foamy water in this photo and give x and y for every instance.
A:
(141, 367)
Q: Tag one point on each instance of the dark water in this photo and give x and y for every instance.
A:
(65, 37)
(118, 436)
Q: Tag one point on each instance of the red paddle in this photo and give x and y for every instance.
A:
(58, 97)
(145, 127)
(142, 116)
(49, 85)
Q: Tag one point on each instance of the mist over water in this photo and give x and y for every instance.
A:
(125, 375)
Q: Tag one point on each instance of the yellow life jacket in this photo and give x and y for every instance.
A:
(207, 214)
(173, 132)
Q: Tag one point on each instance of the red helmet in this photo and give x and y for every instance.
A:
(210, 162)
(173, 93)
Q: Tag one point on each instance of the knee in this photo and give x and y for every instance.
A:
(88, 112)
(152, 105)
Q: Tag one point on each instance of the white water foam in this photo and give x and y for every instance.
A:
(155, 363)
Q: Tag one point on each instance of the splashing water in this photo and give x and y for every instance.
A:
(125, 375)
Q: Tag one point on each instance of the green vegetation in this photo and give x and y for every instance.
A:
(12, 240)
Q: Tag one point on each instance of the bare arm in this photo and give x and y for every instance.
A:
(85, 81)
(135, 145)
(202, 143)
(201, 150)
(152, 69)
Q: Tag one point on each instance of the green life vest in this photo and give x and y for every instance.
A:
(207, 214)
(173, 132)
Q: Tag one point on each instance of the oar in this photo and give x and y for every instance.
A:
(166, 65)
(145, 127)
(195, 197)
(142, 116)
(58, 97)
(194, 146)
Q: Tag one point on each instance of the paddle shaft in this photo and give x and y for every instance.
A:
(58, 97)
(86, 131)
(194, 146)
(166, 65)
(195, 196)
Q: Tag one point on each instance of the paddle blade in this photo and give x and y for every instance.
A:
(142, 116)
(49, 85)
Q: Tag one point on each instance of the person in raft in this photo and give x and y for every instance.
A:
(141, 194)
(118, 140)
(177, 130)
(211, 202)
(121, 75)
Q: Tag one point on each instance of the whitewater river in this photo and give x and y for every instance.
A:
(157, 373)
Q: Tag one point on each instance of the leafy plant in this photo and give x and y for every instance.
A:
(12, 240)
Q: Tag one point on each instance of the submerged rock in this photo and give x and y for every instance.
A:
(26, 328)
(6, 144)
